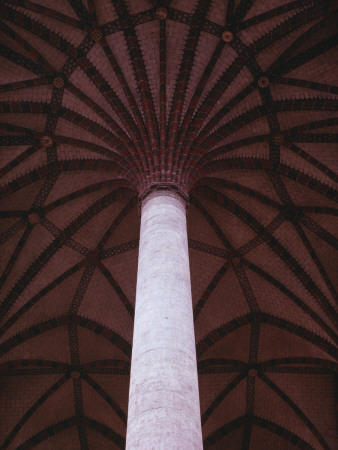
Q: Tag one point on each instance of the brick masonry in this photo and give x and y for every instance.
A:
(130, 98)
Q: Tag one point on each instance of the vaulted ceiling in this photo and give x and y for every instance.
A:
(231, 101)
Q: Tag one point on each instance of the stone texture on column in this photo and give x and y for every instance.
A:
(164, 409)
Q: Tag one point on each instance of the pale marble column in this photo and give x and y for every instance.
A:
(164, 409)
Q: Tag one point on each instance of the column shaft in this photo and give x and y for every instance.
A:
(164, 410)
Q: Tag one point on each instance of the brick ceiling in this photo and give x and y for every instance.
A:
(231, 101)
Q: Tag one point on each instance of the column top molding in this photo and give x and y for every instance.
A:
(163, 187)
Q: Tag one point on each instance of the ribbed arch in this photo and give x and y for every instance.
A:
(135, 99)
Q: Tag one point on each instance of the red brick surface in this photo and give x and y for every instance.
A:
(144, 100)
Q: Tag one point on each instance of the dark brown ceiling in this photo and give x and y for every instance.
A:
(101, 100)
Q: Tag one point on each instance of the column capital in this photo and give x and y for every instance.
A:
(163, 187)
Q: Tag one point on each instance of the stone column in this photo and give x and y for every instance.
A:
(164, 409)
